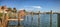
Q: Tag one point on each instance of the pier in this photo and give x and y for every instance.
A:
(19, 19)
(29, 13)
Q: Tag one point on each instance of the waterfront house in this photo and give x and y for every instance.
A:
(1, 10)
(22, 13)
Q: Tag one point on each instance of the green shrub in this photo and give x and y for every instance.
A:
(1, 14)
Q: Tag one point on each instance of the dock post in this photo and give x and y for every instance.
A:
(24, 18)
(3, 19)
(32, 19)
(51, 18)
(5, 24)
(18, 19)
(39, 19)
(27, 18)
(7, 20)
(58, 20)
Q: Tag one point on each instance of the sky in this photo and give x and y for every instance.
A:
(33, 5)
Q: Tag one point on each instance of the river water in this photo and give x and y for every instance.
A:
(44, 21)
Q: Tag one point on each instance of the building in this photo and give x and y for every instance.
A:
(22, 12)
(1, 10)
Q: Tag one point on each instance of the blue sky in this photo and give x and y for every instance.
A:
(33, 5)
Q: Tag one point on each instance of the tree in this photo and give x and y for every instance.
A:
(14, 10)
(10, 9)
(0, 14)
(2, 8)
(10, 12)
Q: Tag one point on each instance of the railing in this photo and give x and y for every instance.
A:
(19, 19)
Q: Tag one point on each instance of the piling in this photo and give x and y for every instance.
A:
(32, 19)
(39, 19)
(19, 19)
(58, 20)
(24, 18)
(3, 15)
(27, 18)
(51, 18)
(5, 22)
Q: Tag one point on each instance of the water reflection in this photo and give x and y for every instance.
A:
(44, 21)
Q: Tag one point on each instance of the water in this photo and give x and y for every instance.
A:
(44, 21)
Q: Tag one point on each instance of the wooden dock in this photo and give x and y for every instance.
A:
(15, 19)
(19, 19)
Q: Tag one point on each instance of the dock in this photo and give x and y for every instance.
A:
(6, 20)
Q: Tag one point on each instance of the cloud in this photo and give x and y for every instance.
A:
(22, 9)
(36, 7)
(39, 7)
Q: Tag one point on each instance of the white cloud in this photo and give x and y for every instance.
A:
(39, 7)
(22, 9)
(36, 7)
